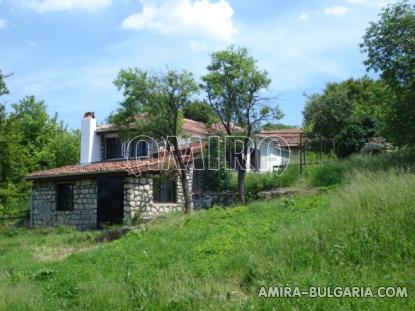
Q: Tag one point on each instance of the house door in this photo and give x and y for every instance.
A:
(110, 201)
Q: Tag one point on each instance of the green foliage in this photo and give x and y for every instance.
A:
(361, 101)
(217, 178)
(328, 174)
(152, 106)
(3, 86)
(156, 95)
(276, 126)
(334, 173)
(234, 86)
(256, 182)
(361, 233)
(30, 140)
(389, 46)
(200, 110)
(350, 139)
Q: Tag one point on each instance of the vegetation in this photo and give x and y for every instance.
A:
(30, 140)
(268, 126)
(358, 234)
(352, 111)
(152, 106)
(199, 110)
(389, 45)
(349, 112)
(234, 85)
(257, 182)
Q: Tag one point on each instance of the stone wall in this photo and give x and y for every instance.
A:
(83, 215)
(138, 198)
(138, 202)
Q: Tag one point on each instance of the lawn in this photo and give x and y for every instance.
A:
(359, 234)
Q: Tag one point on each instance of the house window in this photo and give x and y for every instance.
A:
(112, 148)
(64, 197)
(138, 149)
(164, 190)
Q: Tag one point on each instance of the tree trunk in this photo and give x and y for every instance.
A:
(241, 185)
(187, 194)
(183, 172)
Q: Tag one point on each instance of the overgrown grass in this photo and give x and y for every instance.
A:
(361, 234)
(334, 172)
(256, 182)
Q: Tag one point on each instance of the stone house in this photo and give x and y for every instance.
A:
(110, 185)
(118, 180)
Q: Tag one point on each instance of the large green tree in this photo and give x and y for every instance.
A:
(234, 85)
(161, 98)
(200, 110)
(390, 48)
(351, 101)
(31, 140)
(358, 106)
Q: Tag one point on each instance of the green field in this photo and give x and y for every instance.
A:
(361, 232)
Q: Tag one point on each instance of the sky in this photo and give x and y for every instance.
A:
(68, 52)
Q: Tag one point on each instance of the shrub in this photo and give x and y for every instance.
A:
(256, 182)
(329, 174)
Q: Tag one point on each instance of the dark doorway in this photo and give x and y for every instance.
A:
(110, 201)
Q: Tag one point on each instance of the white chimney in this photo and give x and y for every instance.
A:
(90, 142)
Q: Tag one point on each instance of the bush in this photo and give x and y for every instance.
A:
(334, 172)
(328, 174)
(256, 182)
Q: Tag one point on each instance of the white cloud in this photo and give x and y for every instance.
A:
(197, 46)
(371, 2)
(2, 23)
(42, 6)
(336, 10)
(303, 17)
(185, 16)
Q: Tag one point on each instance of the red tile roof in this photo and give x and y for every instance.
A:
(190, 126)
(121, 167)
(290, 137)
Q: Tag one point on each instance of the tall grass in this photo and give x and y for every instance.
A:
(361, 234)
(256, 182)
(334, 172)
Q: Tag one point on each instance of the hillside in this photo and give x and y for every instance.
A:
(359, 234)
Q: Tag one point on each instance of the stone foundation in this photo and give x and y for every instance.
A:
(83, 215)
(138, 202)
(138, 198)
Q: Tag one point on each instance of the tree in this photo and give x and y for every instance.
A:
(350, 139)
(390, 48)
(31, 140)
(200, 110)
(3, 86)
(359, 101)
(276, 126)
(161, 97)
(234, 86)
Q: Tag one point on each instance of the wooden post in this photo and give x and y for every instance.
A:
(301, 153)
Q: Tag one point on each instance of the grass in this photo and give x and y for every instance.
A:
(257, 182)
(359, 234)
(334, 172)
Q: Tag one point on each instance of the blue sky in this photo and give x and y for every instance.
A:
(68, 52)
